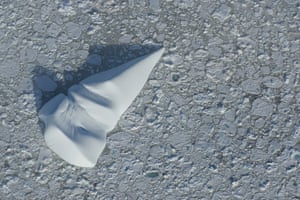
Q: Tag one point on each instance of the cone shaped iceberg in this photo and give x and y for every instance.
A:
(76, 125)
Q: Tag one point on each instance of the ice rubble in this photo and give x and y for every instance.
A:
(76, 125)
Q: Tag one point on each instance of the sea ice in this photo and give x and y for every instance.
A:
(76, 125)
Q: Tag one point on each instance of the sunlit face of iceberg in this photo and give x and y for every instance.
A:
(76, 125)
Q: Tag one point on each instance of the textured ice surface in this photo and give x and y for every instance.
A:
(77, 124)
(212, 77)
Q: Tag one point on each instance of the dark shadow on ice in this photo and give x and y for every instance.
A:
(101, 58)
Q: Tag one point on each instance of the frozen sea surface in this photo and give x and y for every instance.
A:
(217, 119)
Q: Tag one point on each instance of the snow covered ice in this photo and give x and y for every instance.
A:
(77, 125)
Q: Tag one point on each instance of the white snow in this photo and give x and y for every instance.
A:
(76, 125)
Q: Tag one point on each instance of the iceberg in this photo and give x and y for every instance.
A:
(76, 125)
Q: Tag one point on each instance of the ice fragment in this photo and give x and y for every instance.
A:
(73, 30)
(154, 4)
(94, 59)
(272, 82)
(45, 83)
(222, 13)
(251, 86)
(54, 30)
(28, 54)
(262, 108)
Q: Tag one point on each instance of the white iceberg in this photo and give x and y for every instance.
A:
(76, 125)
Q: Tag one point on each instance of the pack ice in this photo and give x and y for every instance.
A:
(76, 125)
